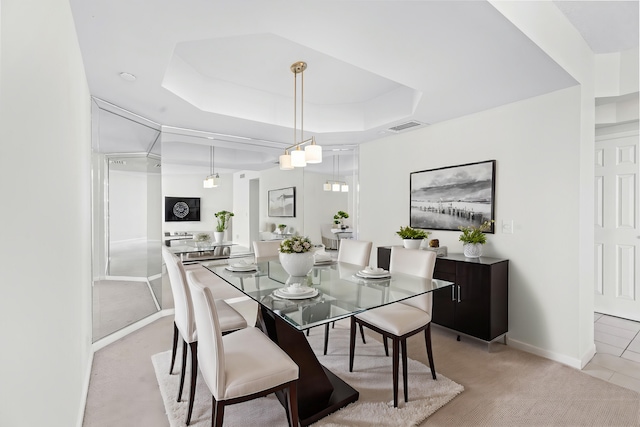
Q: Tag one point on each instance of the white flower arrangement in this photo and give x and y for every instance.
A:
(203, 237)
(295, 245)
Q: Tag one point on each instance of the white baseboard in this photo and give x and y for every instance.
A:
(131, 328)
(85, 390)
(588, 355)
(565, 360)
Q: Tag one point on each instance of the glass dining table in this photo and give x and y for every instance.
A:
(339, 292)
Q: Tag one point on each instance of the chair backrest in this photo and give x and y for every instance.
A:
(181, 296)
(210, 347)
(355, 252)
(266, 249)
(416, 262)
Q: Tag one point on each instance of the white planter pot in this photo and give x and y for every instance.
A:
(472, 250)
(297, 264)
(412, 243)
(218, 236)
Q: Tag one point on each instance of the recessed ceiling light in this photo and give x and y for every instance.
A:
(128, 76)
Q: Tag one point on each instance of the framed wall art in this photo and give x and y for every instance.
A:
(181, 209)
(453, 196)
(282, 202)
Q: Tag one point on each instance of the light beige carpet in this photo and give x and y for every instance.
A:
(371, 377)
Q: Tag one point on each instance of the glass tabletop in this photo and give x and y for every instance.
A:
(336, 290)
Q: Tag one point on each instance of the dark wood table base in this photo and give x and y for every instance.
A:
(320, 391)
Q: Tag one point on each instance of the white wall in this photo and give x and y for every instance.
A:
(127, 206)
(537, 185)
(212, 200)
(45, 309)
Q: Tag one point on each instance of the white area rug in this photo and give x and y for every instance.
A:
(371, 377)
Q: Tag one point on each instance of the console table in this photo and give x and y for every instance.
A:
(478, 303)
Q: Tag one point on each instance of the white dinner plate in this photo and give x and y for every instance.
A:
(370, 273)
(282, 293)
(378, 276)
(242, 269)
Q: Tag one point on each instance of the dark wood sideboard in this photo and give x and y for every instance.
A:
(477, 305)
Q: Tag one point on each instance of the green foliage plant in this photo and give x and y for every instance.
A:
(475, 234)
(339, 217)
(412, 233)
(223, 220)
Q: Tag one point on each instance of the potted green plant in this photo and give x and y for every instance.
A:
(338, 219)
(473, 238)
(412, 237)
(223, 217)
(281, 228)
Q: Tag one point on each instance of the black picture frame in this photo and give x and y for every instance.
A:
(453, 196)
(181, 209)
(282, 202)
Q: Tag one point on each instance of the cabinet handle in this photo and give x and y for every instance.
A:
(453, 293)
(458, 293)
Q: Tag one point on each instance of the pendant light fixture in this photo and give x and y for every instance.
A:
(334, 185)
(297, 158)
(212, 180)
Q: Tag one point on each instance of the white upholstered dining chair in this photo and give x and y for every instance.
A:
(400, 320)
(266, 249)
(358, 253)
(241, 366)
(184, 323)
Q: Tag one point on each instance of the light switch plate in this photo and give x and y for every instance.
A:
(507, 226)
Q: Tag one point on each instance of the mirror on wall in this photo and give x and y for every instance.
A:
(249, 173)
(126, 197)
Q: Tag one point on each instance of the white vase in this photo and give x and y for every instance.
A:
(472, 250)
(218, 236)
(298, 264)
(412, 243)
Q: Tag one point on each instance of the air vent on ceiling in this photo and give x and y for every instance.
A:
(404, 126)
(117, 162)
(241, 175)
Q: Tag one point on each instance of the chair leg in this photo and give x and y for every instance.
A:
(386, 346)
(427, 338)
(326, 337)
(218, 413)
(404, 369)
(194, 375)
(292, 404)
(308, 331)
(175, 347)
(184, 368)
(362, 334)
(352, 342)
(395, 371)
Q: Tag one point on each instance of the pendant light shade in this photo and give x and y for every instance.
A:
(344, 188)
(335, 187)
(327, 186)
(313, 153)
(285, 162)
(298, 158)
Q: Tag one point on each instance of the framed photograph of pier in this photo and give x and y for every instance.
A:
(282, 202)
(453, 196)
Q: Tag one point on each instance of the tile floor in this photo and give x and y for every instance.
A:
(617, 358)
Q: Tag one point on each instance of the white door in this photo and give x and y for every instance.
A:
(617, 233)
